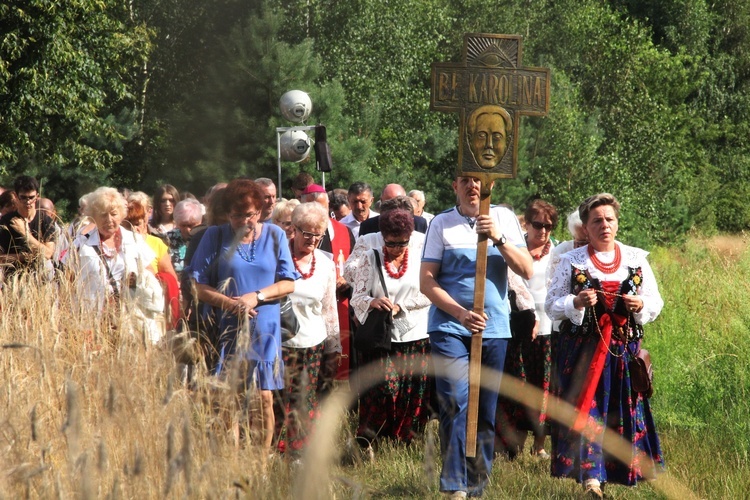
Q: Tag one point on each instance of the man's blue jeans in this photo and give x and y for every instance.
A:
(451, 360)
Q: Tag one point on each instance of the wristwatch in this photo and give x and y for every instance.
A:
(261, 298)
(501, 241)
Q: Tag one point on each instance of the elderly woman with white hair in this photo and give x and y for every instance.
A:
(314, 303)
(188, 214)
(110, 257)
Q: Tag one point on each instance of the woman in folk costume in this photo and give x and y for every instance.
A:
(604, 292)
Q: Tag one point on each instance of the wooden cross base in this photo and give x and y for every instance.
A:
(475, 356)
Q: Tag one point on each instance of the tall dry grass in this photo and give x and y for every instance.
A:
(94, 411)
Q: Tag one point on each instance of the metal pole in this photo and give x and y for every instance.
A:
(278, 159)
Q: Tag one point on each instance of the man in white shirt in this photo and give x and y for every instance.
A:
(419, 198)
(360, 199)
(269, 198)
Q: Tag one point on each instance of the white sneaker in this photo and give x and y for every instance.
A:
(592, 489)
(455, 495)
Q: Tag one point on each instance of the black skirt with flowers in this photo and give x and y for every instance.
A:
(398, 407)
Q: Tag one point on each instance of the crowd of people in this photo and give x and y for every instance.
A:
(221, 267)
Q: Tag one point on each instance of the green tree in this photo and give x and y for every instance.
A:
(68, 71)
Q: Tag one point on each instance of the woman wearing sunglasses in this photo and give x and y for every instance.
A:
(530, 359)
(314, 305)
(397, 407)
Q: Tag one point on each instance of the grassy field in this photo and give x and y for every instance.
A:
(88, 414)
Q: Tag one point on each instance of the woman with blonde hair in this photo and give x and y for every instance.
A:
(109, 260)
(314, 304)
(282, 216)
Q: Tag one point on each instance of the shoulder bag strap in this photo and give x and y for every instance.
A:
(112, 281)
(214, 276)
(380, 271)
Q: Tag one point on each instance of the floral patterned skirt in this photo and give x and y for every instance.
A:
(298, 408)
(397, 407)
(614, 406)
(531, 363)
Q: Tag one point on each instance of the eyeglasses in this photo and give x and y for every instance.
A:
(397, 244)
(168, 200)
(308, 235)
(579, 243)
(24, 197)
(541, 225)
(246, 216)
(285, 223)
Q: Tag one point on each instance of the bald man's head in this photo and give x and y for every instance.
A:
(47, 206)
(391, 191)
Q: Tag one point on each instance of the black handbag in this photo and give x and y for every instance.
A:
(289, 321)
(521, 322)
(375, 333)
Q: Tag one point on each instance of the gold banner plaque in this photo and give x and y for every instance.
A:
(491, 91)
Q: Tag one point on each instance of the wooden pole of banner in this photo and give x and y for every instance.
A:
(475, 356)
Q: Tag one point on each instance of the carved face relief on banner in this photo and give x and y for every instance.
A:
(491, 90)
(488, 131)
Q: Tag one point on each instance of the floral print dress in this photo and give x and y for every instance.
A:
(593, 373)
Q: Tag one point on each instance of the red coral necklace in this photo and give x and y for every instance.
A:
(401, 270)
(606, 268)
(544, 251)
(312, 266)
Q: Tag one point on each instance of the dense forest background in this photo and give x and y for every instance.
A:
(649, 100)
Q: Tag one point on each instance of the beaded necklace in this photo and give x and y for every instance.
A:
(241, 248)
(401, 270)
(312, 266)
(544, 251)
(606, 268)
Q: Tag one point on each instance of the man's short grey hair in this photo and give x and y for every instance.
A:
(416, 192)
(265, 181)
(188, 211)
(359, 187)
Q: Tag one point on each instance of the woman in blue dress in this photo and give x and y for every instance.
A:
(242, 269)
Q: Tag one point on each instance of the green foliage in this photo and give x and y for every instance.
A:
(698, 343)
(649, 100)
(381, 53)
(66, 70)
